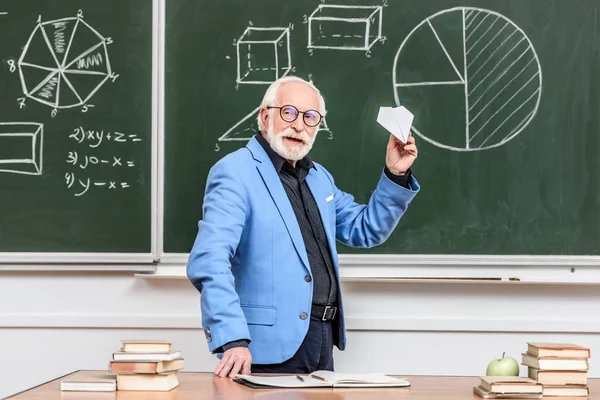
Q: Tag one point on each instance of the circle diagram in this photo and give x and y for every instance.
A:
(471, 77)
(64, 63)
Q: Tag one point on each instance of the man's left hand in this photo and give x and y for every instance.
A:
(400, 156)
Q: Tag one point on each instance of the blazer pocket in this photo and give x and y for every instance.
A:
(259, 315)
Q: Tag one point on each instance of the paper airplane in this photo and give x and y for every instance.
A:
(397, 120)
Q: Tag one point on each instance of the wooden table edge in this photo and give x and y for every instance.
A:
(593, 381)
(194, 372)
(45, 383)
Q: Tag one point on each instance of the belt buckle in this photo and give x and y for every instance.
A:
(326, 311)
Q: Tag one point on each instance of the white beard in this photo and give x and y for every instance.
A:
(294, 153)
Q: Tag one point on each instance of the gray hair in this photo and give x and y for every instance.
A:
(271, 96)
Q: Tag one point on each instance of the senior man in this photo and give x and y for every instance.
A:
(265, 260)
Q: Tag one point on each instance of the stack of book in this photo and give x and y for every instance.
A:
(508, 387)
(146, 365)
(560, 367)
(88, 381)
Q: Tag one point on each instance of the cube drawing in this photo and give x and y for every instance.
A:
(343, 27)
(263, 55)
(21, 147)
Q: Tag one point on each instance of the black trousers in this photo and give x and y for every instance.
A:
(315, 352)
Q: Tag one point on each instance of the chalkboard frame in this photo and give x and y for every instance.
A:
(502, 268)
(510, 269)
(420, 268)
(108, 261)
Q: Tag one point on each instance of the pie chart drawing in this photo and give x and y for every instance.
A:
(64, 63)
(471, 77)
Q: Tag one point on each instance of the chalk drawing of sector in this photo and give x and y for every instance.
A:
(64, 63)
(473, 68)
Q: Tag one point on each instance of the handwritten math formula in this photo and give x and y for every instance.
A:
(99, 161)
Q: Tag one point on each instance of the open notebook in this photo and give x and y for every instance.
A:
(321, 379)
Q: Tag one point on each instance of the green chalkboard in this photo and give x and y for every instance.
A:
(75, 126)
(505, 94)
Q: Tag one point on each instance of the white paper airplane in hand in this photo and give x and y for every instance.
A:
(397, 120)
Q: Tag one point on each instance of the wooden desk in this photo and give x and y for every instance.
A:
(205, 386)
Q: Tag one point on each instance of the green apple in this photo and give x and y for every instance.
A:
(505, 366)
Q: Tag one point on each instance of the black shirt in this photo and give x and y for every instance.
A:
(325, 289)
(309, 219)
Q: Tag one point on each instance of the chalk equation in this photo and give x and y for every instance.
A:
(96, 137)
(64, 63)
(82, 185)
(99, 162)
(84, 160)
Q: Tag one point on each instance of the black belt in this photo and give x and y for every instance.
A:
(324, 313)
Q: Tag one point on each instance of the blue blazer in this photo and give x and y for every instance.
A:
(249, 262)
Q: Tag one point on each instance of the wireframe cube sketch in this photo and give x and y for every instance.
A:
(475, 70)
(64, 63)
(343, 27)
(244, 129)
(263, 55)
(21, 147)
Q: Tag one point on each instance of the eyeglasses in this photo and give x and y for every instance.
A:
(290, 114)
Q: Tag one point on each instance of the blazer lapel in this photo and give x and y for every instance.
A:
(275, 187)
(320, 193)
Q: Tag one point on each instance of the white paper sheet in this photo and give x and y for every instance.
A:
(397, 120)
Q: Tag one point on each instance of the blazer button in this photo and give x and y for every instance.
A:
(307, 278)
(303, 315)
